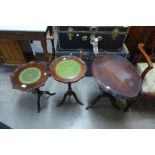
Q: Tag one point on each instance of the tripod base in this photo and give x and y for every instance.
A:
(39, 94)
(70, 92)
(104, 94)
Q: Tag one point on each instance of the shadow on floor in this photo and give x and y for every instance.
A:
(104, 108)
(144, 104)
(28, 102)
(7, 68)
(69, 105)
(4, 126)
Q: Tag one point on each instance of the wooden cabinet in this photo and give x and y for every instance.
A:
(11, 53)
(11, 49)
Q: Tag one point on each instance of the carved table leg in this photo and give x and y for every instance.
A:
(113, 101)
(48, 93)
(63, 100)
(104, 94)
(94, 101)
(38, 102)
(77, 100)
(52, 41)
(44, 46)
(129, 104)
(53, 50)
(39, 94)
(70, 92)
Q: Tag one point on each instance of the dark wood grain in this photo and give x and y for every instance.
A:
(60, 79)
(29, 87)
(11, 52)
(117, 76)
(21, 35)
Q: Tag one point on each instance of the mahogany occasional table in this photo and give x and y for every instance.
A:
(29, 77)
(116, 77)
(68, 69)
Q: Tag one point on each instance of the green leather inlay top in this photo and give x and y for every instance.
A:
(68, 69)
(30, 75)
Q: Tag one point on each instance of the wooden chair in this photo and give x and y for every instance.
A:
(147, 71)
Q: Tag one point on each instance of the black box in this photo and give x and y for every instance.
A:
(111, 38)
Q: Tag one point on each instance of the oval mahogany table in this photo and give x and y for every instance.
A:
(68, 69)
(116, 77)
(29, 77)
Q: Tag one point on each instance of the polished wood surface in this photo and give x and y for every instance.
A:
(147, 58)
(72, 80)
(69, 81)
(11, 52)
(28, 87)
(117, 76)
(21, 35)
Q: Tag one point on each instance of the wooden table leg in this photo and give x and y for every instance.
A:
(70, 92)
(44, 46)
(113, 101)
(130, 103)
(104, 94)
(52, 41)
(94, 101)
(39, 94)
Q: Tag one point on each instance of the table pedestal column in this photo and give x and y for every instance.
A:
(70, 92)
(39, 94)
(104, 94)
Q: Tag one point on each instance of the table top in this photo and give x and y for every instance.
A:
(68, 69)
(24, 28)
(29, 76)
(117, 76)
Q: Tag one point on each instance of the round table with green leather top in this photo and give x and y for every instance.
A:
(29, 77)
(68, 69)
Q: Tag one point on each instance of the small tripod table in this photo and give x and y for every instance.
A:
(29, 77)
(117, 78)
(68, 69)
